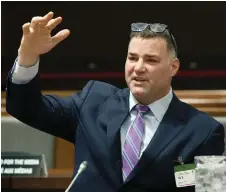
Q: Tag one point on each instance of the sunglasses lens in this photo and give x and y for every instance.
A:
(139, 26)
(158, 28)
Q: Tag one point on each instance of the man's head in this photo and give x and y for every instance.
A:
(151, 62)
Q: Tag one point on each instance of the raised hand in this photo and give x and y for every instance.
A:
(37, 38)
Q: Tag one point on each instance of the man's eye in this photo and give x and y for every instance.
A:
(152, 60)
(132, 58)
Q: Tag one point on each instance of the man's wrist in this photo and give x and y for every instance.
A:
(26, 59)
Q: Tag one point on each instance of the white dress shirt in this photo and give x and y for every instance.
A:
(22, 75)
(153, 118)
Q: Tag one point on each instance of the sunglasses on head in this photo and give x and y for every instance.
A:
(154, 27)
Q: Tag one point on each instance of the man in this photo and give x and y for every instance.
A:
(131, 138)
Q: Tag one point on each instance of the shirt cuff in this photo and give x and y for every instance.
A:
(23, 75)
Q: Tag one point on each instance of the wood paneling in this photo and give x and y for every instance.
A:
(60, 172)
(56, 184)
(212, 102)
(64, 154)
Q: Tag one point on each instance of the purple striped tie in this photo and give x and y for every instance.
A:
(132, 146)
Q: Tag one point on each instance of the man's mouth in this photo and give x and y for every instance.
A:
(139, 79)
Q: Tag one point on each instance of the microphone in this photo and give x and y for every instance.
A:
(82, 167)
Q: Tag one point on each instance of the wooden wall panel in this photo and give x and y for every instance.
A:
(64, 154)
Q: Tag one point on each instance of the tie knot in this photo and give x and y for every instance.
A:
(142, 109)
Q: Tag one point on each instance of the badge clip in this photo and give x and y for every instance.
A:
(180, 160)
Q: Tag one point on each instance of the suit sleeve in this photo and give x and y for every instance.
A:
(214, 144)
(48, 113)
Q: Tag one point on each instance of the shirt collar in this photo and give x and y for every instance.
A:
(158, 107)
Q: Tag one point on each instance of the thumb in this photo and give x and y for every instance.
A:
(60, 36)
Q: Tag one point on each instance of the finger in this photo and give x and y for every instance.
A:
(35, 22)
(46, 19)
(53, 23)
(60, 36)
(26, 28)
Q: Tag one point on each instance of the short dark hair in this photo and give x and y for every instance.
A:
(146, 34)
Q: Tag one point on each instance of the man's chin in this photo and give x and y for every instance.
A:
(139, 92)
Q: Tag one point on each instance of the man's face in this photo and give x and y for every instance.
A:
(149, 68)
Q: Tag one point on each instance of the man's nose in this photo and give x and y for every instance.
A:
(139, 67)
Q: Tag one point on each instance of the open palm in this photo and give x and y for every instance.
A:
(37, 37)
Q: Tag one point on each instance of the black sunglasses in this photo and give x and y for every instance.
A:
(154, 27)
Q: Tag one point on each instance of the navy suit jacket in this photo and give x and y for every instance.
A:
(91, 119)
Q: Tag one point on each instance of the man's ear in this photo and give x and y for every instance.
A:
(175, 65)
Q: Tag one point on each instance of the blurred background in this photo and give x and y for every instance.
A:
(97, 48)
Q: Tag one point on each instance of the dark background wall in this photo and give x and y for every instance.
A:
(99, 35)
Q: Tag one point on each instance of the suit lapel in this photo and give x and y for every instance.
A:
(168, 129)
(119, 109)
